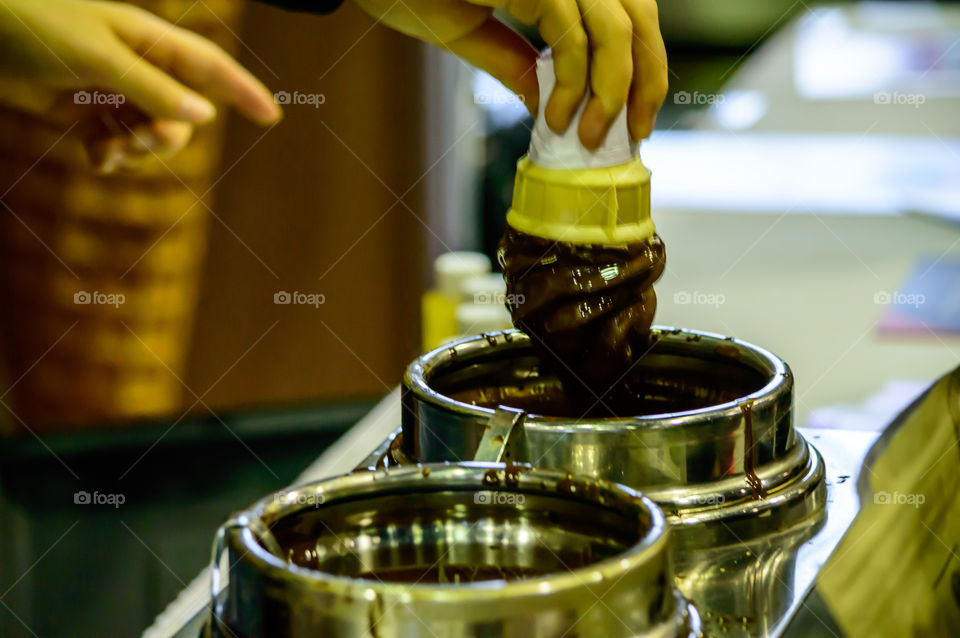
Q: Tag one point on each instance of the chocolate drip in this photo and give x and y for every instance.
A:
(756, 485)
(588, 310)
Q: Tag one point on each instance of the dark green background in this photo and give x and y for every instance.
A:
(114, 569)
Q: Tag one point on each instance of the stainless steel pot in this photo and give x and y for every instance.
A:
(449, 551)
(714, 445)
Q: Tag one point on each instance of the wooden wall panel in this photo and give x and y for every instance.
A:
(310, 206)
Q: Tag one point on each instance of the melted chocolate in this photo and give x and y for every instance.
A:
(588, 310)
(642, 392)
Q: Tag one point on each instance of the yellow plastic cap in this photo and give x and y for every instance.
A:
(608, 205)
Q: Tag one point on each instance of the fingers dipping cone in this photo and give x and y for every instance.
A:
(581, 252)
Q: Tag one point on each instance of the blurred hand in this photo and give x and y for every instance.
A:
(129, 82)
(615, 45)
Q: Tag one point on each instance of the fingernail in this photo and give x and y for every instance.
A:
(560, 109)
(146, 141)
(275, 116)
(197, 109)
(642, 129)
(652, 124)
(591, 133)
(556, 123)
(112, 161)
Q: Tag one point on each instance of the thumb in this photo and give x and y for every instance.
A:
(504, 54)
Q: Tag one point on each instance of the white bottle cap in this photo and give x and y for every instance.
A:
(550, 150)
(451, 269)
(474, 318)
(484, 289)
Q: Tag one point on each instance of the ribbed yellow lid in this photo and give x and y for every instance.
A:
(608, 205)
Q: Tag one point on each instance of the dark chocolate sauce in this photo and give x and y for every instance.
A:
(748, 466)
(588, 310)
(644, 391)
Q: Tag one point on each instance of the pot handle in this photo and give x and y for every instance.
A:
(503, 439)
(219, 546)
(238, 521)
(257, 527)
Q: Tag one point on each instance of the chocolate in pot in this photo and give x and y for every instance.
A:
(588, 309)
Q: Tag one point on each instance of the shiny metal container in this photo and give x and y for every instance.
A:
(449, 551)
(715, 445)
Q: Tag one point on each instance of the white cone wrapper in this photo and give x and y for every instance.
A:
(550, 150)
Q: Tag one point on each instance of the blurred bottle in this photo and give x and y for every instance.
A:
(489, 289)
(474, 318)
(439, 306)
(483, 305)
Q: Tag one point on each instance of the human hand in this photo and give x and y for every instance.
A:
(615, 45)
(129, 83)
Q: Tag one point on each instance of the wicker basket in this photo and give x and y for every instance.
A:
(100, 274)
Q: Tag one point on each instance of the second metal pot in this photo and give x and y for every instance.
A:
(451, 551)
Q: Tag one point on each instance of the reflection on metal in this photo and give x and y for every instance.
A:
(733, 457)
(754, 586)
(469, 550)
(745, 492)
(895, 571)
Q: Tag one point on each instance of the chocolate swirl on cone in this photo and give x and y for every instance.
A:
(587, 308)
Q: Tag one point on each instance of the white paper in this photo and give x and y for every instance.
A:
(564, 151)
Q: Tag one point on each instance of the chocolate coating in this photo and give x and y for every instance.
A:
(587, 308)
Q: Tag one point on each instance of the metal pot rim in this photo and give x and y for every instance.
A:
(780, 381)
(466, 476)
